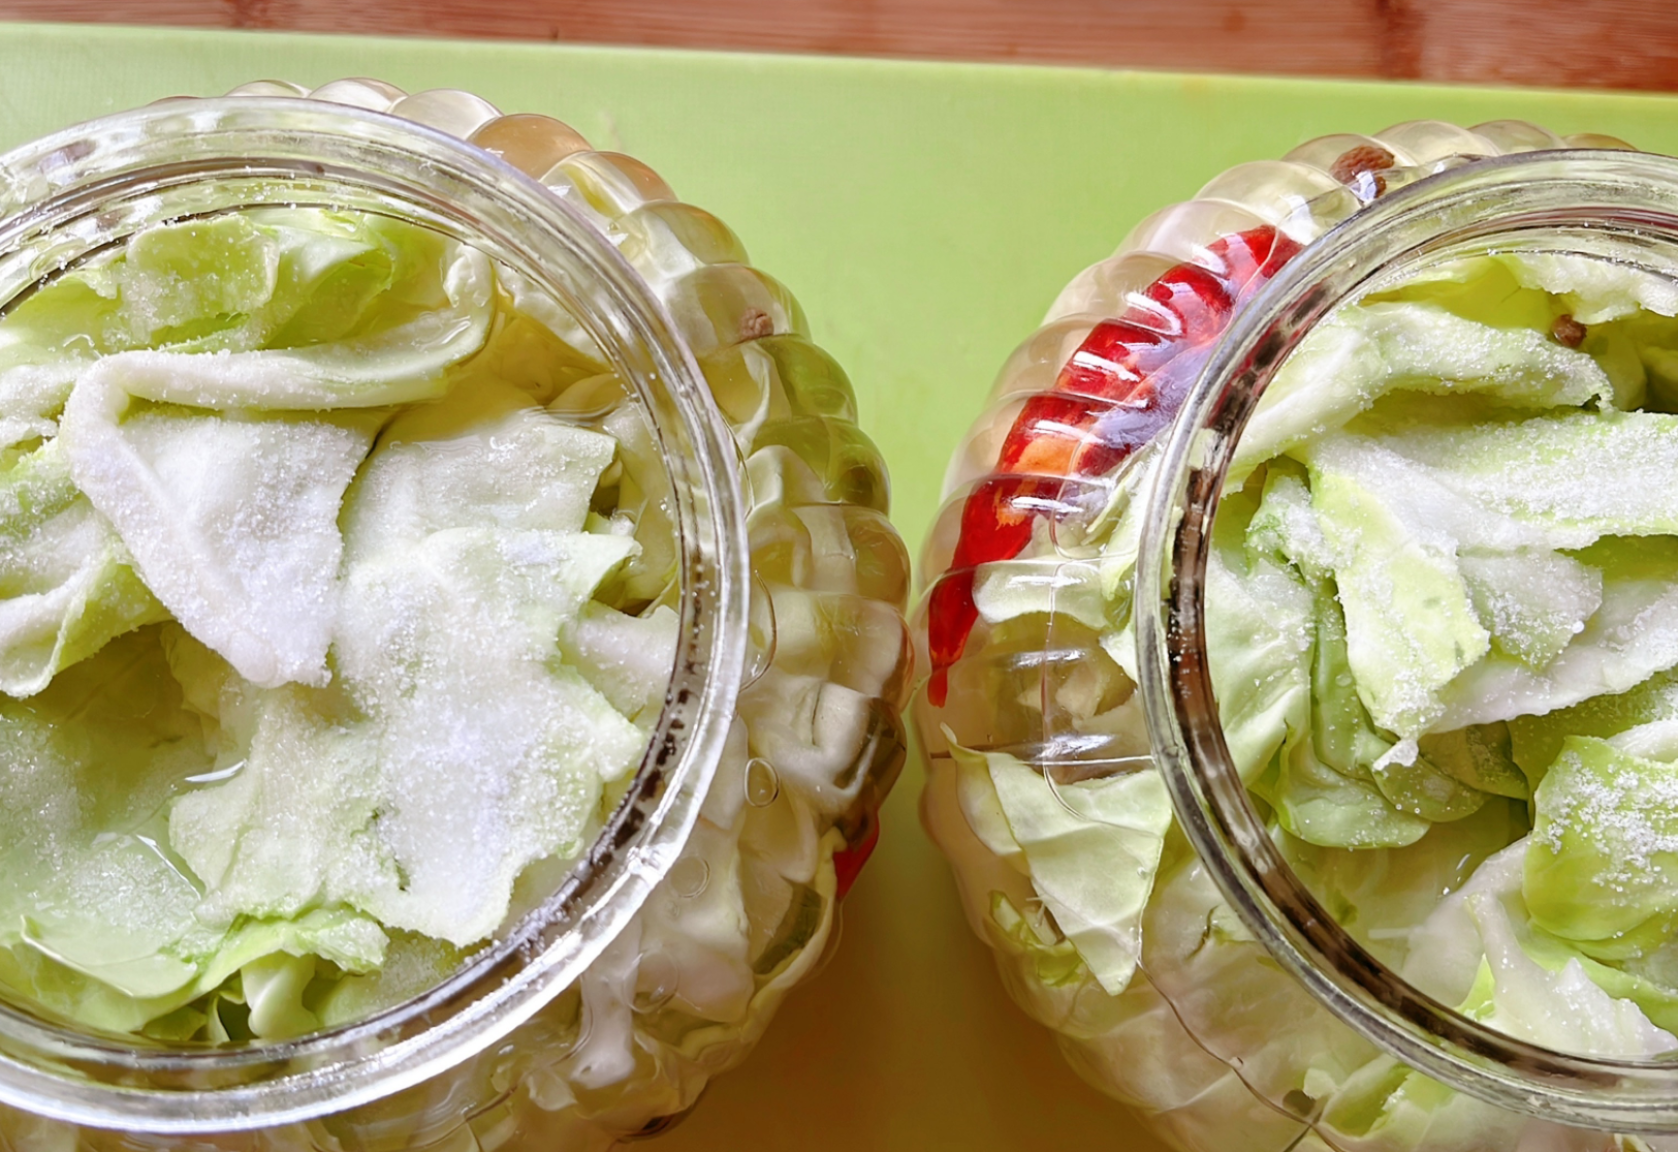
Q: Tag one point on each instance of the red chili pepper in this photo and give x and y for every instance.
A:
(848, 862)
(1109, 400)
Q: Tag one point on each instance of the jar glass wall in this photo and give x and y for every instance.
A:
(627, 976)
(1123, 904)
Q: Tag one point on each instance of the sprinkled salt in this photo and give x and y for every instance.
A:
(232, 521)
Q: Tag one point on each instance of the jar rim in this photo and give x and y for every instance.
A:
(1602, 193)
(67, 195)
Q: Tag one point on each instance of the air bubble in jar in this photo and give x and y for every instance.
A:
(760, 631)
(689, 877)
(762, 784)
(656, 983)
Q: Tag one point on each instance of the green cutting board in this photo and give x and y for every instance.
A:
(925, 214)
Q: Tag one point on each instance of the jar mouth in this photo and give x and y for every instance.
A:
(79, 191)
(1615, 204)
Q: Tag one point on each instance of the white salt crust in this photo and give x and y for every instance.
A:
(232, 521)
(479, 749)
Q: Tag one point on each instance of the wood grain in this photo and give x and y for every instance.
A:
(1630, 44)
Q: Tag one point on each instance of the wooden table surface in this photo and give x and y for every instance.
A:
(1628, 44)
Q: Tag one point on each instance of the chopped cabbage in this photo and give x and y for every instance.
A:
(1092, 848)
(319, 616)
(1442, 631)
(232, 521)
(69, 583)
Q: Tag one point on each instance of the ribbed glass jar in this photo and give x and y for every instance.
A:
(655, 959)
(1151, 895)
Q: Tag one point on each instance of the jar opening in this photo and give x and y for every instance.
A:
(73, 196)
(1235, 473)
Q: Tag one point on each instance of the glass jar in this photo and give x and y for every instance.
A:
(1245, 956)
(622, 981)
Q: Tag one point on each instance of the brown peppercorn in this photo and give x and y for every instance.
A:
(1568, 331)
(755, 324)
(1360, 168)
